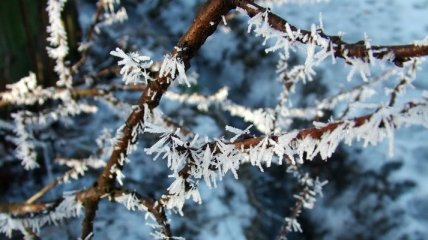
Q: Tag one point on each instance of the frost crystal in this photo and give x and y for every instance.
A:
(360, 66)
(261, 118)
(263, 29)
(26, 150)
(118, 173)
(108, 5)
(134, 67)
(173, 67)
(68, 208)
(289, 38)
(201, 102)
(27, 92)
(58, 41)
(131, 202)
(79, 167)
(212, 160)
(237, 132)
(19, 91)
(114, 17)
(178, 195)
(110, 14)
(294, 224)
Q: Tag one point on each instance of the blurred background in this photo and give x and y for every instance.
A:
(369, 195)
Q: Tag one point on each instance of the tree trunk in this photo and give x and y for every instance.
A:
(23, 40)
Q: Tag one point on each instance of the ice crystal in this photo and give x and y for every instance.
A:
(201, 102)
(79, 167)
(173, 67)
(115, 17)
(67, 208)
(57, 39)
(294, 224)
(212, 161)
(131, 202)
(238, 132)
(134, 67)
(26, 148)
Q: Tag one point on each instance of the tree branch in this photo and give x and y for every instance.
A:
(90, 35)
(315, 133)
(156, 210)
(22, 208)
(189, 43)
(398, 54)
(91, 206)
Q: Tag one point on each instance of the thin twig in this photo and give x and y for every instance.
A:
(90, 35)
(405, 80)
(43, 191)
(156, 210)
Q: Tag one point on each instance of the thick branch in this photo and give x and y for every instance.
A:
(203, 26)
(191, 41)
(91, 206)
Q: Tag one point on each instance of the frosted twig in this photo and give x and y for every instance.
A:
(57, 39)
(13, 216)
(397, 54)
(305, 199)
(104, 13)
(134, 201)
(405, 80)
